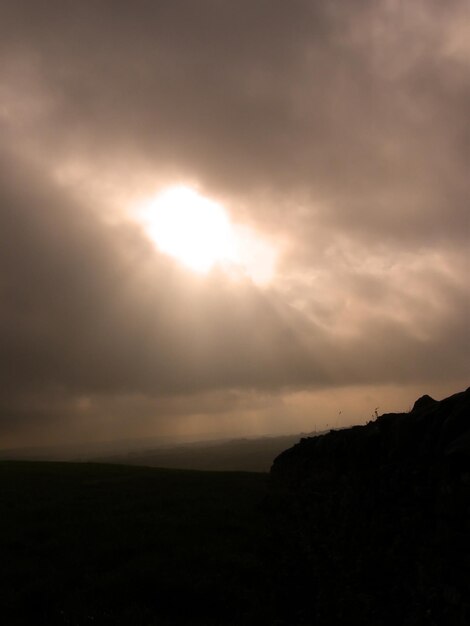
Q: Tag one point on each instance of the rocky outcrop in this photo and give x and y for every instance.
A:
(381, 517)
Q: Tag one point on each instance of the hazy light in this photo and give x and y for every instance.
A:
(256, 257)
(198, 232)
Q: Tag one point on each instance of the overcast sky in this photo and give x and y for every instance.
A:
(336, 133)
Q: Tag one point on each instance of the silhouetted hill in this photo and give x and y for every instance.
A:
(378, 518)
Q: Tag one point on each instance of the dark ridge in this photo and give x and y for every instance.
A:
(379, 518)
(423, 403)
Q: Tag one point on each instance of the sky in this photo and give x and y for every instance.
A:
(316, 155)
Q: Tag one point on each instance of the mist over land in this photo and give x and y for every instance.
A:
(249, 455)
(244, 454)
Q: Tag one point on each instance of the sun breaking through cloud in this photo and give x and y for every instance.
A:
(198, 232)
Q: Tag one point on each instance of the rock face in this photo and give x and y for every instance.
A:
(380, 516)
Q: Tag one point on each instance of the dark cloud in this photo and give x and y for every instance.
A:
(340, 128)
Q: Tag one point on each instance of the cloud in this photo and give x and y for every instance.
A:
(340, 130)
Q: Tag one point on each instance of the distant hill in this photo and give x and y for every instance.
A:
(378, 518)
(249, 455)
(244, 454)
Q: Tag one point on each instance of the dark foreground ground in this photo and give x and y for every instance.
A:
(103, 544)
(365, 526)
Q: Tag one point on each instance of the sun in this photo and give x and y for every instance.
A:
(198, 232)
(191, 228)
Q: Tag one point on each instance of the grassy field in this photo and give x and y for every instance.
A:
(108, 544)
